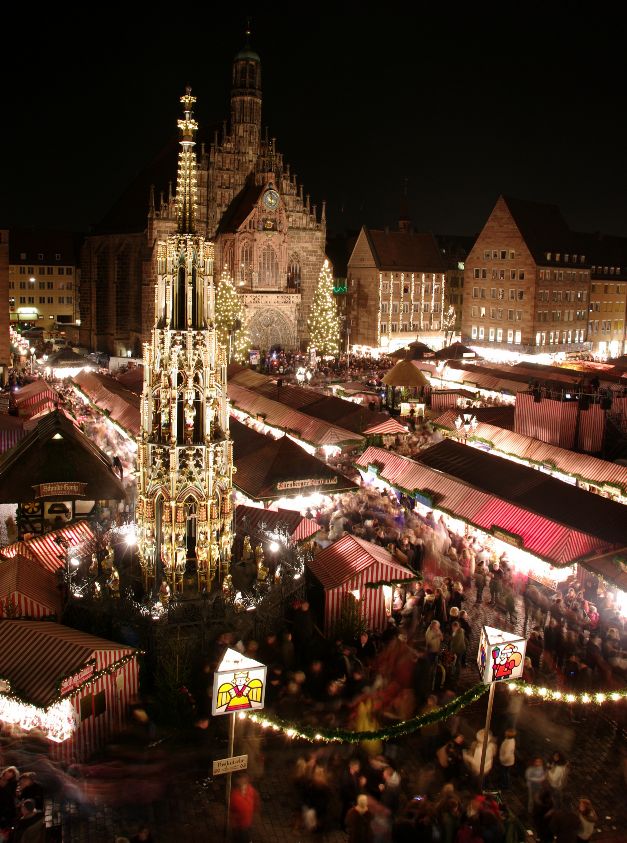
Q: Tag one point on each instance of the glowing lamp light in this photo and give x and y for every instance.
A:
(274, 546)
(74, 562)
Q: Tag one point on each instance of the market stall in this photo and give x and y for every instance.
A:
(71, 687)
(346, 569)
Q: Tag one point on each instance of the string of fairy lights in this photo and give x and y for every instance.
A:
(315, 734)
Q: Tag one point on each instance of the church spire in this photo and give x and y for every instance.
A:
(186, 185)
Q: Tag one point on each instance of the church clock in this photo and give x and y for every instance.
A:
(271, 199)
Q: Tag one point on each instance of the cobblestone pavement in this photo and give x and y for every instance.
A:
(192, 808)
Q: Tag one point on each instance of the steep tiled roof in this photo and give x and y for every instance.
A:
(240, 207)
(405, 251)
(57, 451)
(542, 226)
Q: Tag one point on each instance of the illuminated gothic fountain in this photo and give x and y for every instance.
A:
(185, 456)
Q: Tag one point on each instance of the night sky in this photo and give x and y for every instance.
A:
(463, 107)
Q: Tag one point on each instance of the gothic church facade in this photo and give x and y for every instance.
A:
(267, 235)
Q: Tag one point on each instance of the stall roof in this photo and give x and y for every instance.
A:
(56, 451)
(46, 550)
(327, 408)
(35, 657)
(348, 556)
(386, 427)
(539, 533)
(404, 373)
(248, 518)
(502, 417)
(25, 576)
(270, 469)
(591, 469)
(535, 491)
(301, 425)
(109, 395)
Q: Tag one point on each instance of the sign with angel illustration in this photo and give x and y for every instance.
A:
(239, 684)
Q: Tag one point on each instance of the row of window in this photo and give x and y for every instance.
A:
(498, 254)
(498, 293)
(561, 316)
(567, 257)
(42, 300)
(47, 270)
(606, 288)
(385, 287)
(606, 326)
(553, 337)
(496, 334)
(500, 274)
(560, 275)
(40, 256)
(562, 295)
(405, 308)
(607, 306)
(606, 270)
(497, 313)
(408, 326)
(43, 285)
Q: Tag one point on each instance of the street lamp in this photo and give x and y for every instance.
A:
(33, 351)
(466, 423)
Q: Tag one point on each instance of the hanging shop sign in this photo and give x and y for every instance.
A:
(501, 655)
(508, 538)
(55, 490)
(301, 484)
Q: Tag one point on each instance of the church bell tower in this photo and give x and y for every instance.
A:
(185, 455)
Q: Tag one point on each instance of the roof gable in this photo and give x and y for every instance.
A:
(349, 556)
(404, 251)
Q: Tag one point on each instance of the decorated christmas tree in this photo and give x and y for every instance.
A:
(324, 322)
(230, 320)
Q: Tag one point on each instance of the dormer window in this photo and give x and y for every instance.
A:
(557, 256)
(548, 256)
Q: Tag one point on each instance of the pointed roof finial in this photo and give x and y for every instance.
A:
(186, 186)
(151, 201)
(248, 32)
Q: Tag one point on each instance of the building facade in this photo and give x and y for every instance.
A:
(185, 455)
(526, 282)
(267, 235)
(397, 291)
(5, 342)
(608, 294)
(43, 280)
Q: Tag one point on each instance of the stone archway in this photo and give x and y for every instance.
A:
(268, 327)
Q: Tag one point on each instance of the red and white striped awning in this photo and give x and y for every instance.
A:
(45, 550)
(248, 518)
(389, 426)
(27, 590)
(556, 543)
(349, 556)
(36, 657)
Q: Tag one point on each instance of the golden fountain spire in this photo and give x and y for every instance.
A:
(186, 185)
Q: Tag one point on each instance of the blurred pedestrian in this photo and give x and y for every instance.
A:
(359, 821)
(535, 776)
(245, 804)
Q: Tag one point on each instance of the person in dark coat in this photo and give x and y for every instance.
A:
(8, 787)
(359, 821)
(30, 828)
(350, 787)
(29, 788)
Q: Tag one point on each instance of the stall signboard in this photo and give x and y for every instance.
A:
(239, 684)
(254, 356)
(71, 683)
(501, 655)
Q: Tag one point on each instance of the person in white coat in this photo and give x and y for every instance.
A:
(507, 757)
(472, 757)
